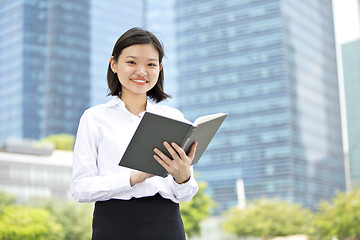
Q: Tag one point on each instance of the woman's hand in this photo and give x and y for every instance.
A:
(179, 165)
(138, 177)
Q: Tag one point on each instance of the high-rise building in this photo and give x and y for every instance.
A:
(272, 66)
(108, 21)
(67, 75)
(351, 71)
(44, 76)
(54, 56)
(160, 19)
(22, 75)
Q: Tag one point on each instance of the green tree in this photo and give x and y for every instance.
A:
(340, 217)
(61, 141)
(268, 218)
(27, 223)
(194, 211)
(6, 200)
(74, 218)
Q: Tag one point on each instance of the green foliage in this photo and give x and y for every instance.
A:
(6, 200)
(194, 211)
(267, 219)
(21, 222)
(75, 218)
(61, 141)
(49, 219)
(340, 217)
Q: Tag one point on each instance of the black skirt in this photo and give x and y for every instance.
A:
(148, 218)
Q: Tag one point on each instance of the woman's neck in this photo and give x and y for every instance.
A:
(134, 105)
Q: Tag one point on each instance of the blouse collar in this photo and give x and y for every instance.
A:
(116, 101)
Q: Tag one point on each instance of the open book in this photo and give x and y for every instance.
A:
(154, 129)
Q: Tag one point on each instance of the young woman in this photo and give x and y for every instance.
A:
(130, 204)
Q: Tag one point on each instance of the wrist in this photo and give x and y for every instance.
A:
(182, 181)
(134, 178)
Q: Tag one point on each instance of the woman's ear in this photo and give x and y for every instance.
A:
(113, 64)
(160, 66)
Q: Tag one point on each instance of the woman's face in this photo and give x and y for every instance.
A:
(137, 68)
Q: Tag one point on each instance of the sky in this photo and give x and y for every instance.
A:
(346, 20)
(347, 29)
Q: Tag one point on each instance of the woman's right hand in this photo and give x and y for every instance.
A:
(138, 177)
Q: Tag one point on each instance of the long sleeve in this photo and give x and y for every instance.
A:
(86, 184)
(186, 191)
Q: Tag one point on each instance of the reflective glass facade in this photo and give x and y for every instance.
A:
(271, 65)
(351, 69)
(67, 80)
(160, 19)
(11, 68)
(44, 73)
(109, 19)
(54, 57)
(35, 18)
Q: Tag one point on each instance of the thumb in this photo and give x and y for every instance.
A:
(191, 154)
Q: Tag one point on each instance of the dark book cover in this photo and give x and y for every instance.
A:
(154, 129)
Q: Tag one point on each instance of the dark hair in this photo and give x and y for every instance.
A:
(136, 36)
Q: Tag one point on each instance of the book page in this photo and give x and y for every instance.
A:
(207, 118)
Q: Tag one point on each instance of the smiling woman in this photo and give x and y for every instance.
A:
(131, 204)
(137, 70)
(131, 38)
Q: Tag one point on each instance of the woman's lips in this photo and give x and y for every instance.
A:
(139, 81)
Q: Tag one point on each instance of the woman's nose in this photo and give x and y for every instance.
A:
(141, 71)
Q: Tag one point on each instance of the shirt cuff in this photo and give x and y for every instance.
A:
(185, 191)
(121, 181)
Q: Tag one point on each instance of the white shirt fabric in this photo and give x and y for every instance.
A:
(103, 134)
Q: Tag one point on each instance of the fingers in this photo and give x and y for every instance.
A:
(163, 159)
(162, 163)
(176, 152)
(162, 156)
(178, 165)
(178, 149)
(182, 153)
(173, 149)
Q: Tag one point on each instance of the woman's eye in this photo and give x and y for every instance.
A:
(152, 65)
(131, 62)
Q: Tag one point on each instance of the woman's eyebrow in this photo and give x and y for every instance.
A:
(150, 59)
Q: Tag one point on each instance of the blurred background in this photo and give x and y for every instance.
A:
(287, 72)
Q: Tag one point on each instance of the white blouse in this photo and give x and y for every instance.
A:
(103, 134)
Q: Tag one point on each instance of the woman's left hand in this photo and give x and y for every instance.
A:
(179, 165)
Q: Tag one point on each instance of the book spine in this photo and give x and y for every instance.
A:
(186, 144)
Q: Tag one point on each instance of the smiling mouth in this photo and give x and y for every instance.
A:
(140, 81)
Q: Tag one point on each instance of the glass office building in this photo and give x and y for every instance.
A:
(109, 20)
(44, 57)
(22, 56)
(272, 66)
(53, 61)
(351, 69)
(160, 19)
(67, 79)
